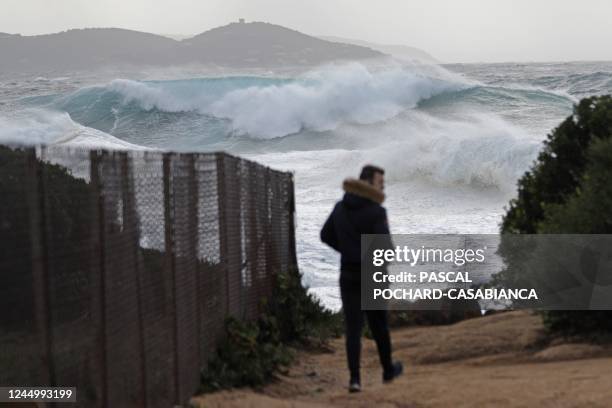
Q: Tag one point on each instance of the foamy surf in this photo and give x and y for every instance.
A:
(265, 108)
(481, 151)
(40, 127)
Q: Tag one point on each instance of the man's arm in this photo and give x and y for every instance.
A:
(381, 224)
(381, 227)
(328, 232)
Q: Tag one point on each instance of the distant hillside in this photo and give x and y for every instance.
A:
(271, 45)
(7, 35)
(82, 49)
(399, 51)
(239, 45)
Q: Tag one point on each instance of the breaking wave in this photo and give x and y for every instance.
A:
(429, 125)
(34, 127)
(266, 107)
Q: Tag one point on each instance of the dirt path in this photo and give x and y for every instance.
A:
(491, 361)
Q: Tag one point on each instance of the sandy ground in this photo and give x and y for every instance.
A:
(497, 361)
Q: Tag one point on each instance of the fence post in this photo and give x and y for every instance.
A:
(170, 262)
(268, 234)
(98, 278)
(230, 228)
(40, 278)
(255, 241)
(194, 240)
(131, 225)
(292, 248)
(221, 193)
(276, 209)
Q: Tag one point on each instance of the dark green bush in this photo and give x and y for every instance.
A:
(568, 190)
(249, 356)
(299, 315)
(558, 171)
(589, 209)
(254, 351)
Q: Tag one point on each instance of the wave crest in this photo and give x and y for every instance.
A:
(481, 151)
(265, 108)
(35, 126)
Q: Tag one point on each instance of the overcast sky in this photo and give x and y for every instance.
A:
(451, 30)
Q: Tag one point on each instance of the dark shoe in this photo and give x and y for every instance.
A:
(354, 387)
(396, 370)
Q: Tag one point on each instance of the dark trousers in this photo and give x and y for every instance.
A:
(350, 292)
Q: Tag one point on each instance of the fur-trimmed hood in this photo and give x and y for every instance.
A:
(359, 212)
(363, 189)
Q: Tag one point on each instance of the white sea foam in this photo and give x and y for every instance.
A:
(321, 100)
(37, 126)
(480, 150)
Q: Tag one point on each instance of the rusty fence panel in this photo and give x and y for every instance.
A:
(118, 269)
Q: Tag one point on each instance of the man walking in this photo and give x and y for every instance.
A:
(360, 212)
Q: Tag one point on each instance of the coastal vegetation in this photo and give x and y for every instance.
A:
(254, 351)
(568, 191)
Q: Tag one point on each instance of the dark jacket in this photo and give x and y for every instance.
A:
(359, 212)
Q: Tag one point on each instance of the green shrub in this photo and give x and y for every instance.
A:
(300, 316)
(568, 190)
(254, 351)
(559, 168)
(247, 357)
(589, 209)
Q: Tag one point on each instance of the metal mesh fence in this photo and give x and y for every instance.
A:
(118, 269)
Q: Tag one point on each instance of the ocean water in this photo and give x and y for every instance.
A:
(454, 139)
